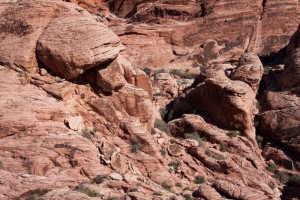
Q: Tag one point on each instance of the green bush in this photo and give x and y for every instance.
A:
(133, 190)
(182, 75)
(175, 164)
(194, 136)
(147, 70)
(81, 188)
(166, 186)
(158, 72)
(232, 134)
(178, 185)
(163, 152)
(157, 193)
(214, 155)
(100, 179)
(259, 140)
(135, 146)
(283, 177)
(272, 168)
(188, 197)
(199, 179)
(223, 147)
(161, 125)
(272, 185)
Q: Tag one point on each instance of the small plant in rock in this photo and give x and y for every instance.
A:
(188, 197)
(133, 190)
(163, 152)
(87, 134)
(159, 94)
(214, 155)
(178, 185)
(281, 176)
(232, 134)
(194, 136)
(153, 132)
(183, 75)
(223, 147)
(186, 188)
(81, 188)
(158, 72)
(135, 146)
(272, 185)
(172, 141)
(199, 180)
(166, 186)
(100, 179)
(161, 125)
(175, 164)
(157, 193)
(259, 140)
(272, 168)
(147, 70)
(294, 179)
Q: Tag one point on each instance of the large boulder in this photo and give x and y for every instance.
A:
(64, 37)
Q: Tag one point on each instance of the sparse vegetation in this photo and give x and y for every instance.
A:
(194, 136)
(166, 186)
(281, 176)
(272, 168)
(100, 179)
(199, 180)
(161, 125)
(259, 140)
(147, 70)
(158, 72)
(135, 146)
(159, 94)
(36, 194)
(172, 141)
(267, 69)
(157, 193)
(163, 152)
(223, 147)
(178, 185)
(272, 185)
(214, 155)
(175, 164)
(183, 75)
(186, 188)
(89, 134)
(133, 190)
(81, 188)
(203, 68)
(153, 132)
(188, 197)
(232, 134)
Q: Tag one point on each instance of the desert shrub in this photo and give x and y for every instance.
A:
(100, 179)
(259, 140)
(147, 70)
(194, 136)
(183, 75)
(161, 125)
(188, 197)
(283, 177)
(223, 147)
(157, 193)
(199, 179)
(135, 146)
(163, 152)
(158, 72)
(272, 168)
(159, 94)
(267, 69)
(81, 188)
(203, 68)
(172, 141)
(37, 194)
(232, 134)
(178, 185)
(214, 155)
(271, 185)
(294, 179)
(153, 132)
(133, 190)
(166, 186)
(89, 134)
(175, 164)
(186, 188)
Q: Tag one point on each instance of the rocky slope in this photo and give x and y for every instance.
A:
(80, 120)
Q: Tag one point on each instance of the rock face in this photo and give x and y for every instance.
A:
(279, 119)
(230, 103)
(251, 25)
(77, 120)
(92, 47)
(52, 30)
